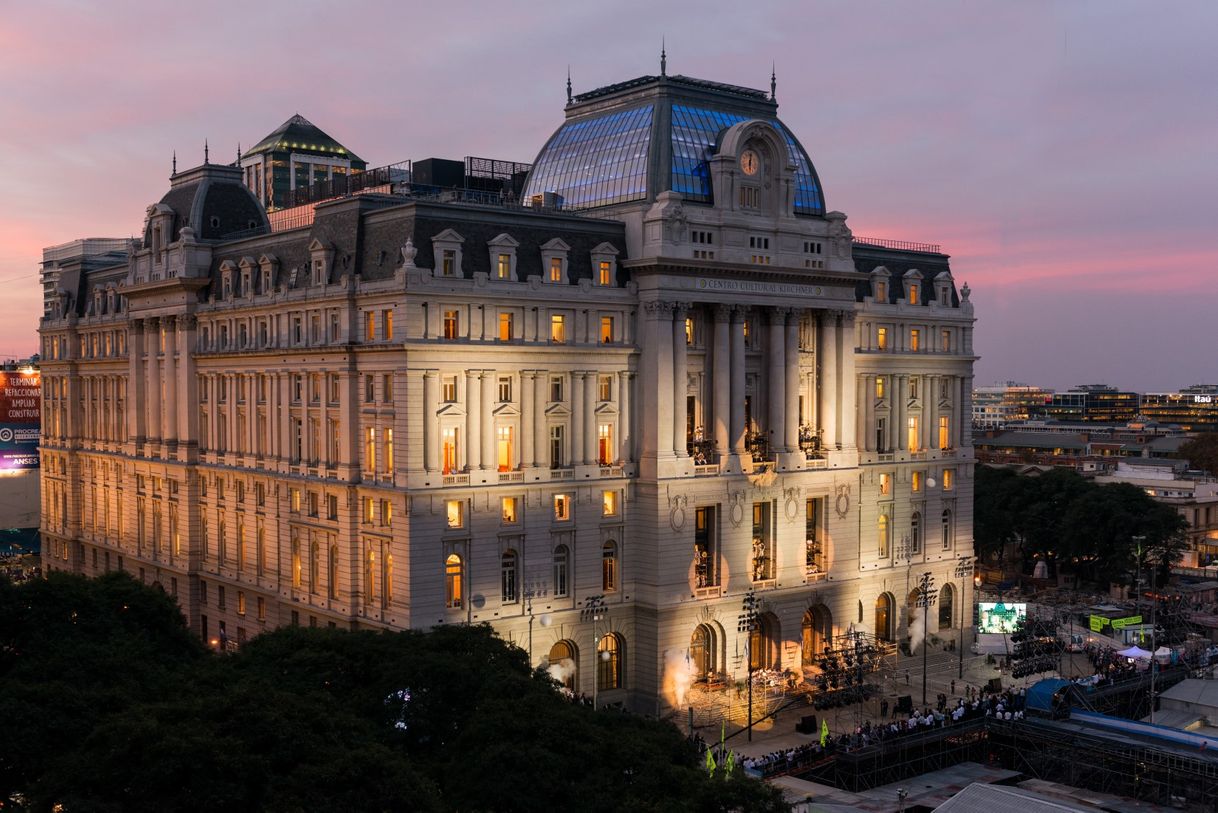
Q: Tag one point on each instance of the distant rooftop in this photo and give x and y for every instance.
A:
(298, 134)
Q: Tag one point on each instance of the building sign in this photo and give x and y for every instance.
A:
(1098, 622)
(20, 419)
(997, 617)
(747, 286)
(1203, 399)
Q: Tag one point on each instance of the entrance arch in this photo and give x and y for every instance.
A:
(817, 629)
(883, 616)
(703, 651)
(947, 607)
(564, 664)
(764, 652)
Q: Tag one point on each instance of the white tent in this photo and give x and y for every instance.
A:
(1134, 652)
(1163, 654)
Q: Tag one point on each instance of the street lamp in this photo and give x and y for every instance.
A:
(529, 594)
(926, 597)
(747, 624)
(593, 610)
(964, 569)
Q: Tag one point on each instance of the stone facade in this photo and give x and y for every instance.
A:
(595, 431)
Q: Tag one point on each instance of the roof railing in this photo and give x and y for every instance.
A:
(899, 245)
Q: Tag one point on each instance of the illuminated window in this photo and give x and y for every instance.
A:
(879, 386)
(389, 451)
(386, 513)
(609, 662)
(945, 435)
(369, 510)
(370, 450)
(689, 331)
(885, 484)
(452, 324)
(915, 481)
(507, 510)
(294, 497)
(915, 337)
(609, 567)
(506, 333)
(558, 328)
(454, 574)
(387, 324)
(562, 507)
(606, 329)
(503, 269)
(605, 388)
(913, 436)
(503, 448)
(455, 512)
(609, 503)
(604, 270)
(449, 440)
(882, 536)
(369, 327)
(448, 263)
(605, 452)
(881, 338)
(949, 477)
(913, 293)
(295, 558)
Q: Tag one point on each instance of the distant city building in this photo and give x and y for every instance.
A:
(1193, 494)
(1093, 403)
(1193, 409)
(298, 154)
(78, 256)
(997, 405)
(1086, 448)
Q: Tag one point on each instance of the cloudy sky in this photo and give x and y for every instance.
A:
(1064, 153)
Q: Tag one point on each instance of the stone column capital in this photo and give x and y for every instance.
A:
(723, 312)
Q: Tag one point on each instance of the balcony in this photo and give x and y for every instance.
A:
(758, 445)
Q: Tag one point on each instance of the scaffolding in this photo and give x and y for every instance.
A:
(901, 758)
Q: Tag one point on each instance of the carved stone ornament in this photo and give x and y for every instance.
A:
(735, 513)
(964, 292)
(792, 502)
(842, 503)
(409, 252)
(676, 511)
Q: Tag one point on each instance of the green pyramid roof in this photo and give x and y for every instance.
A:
(298, 134)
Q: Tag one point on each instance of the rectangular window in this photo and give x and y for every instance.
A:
(913, 293)
(749, 197)
(949, 479)
(763, 542)
(503, 269)
(369, 326)
(448, 389)
(555, 269)
(389, 451)
(558, 328)
(369, 389)
(609, 503)
(450, 451)
(369, 511)
(370, 450)
(814, 559)
(334, 388)
(607, 330)
(706, 554)
(915, 340)
(945, 435)
(603, 276)
(881, 338)
(604, 388)
(562, 507)
(294, 498)
(448, 263)
(387, 388)
(452, 324)
(605, 451)
(915, 482)
(945, 341)
(261, 608)
(886, 484)
(507, 510)
(505, 390)
(879, 386)
(240, 602)
(504, 452)
(558, 452)
(556, 389)
(455, 510)
(506, 333)
(386, 513)
(913, 434)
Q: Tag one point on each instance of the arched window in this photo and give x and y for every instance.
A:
(817, 633)
(562, 559)
(702, 651)
(609, 662)
(387, 579)
(882, 536)
(764, 642)
(883, 617)
(454, 575)
(295, 560)
(609, 567)
(314, 567)
(332, 574)
(507, 577)
(564, 664)
(915, 532)
(947, 610)
(369, 575)
(947, 528)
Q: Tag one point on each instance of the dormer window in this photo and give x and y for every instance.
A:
(604, 265)
(267, 266)
(321, 259)
(319, 271)
(913, 285)
(879, 285)
(943, 288)
(912, 296)
(554, 261)
(446, 247)
(448, 263)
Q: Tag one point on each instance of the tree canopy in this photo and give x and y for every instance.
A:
(1202, 452)
(109, 703)
(1099, 532)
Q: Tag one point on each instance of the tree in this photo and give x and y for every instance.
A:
(1202, 452)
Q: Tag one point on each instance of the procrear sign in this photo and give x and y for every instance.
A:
(1098, 622)
(20, 418)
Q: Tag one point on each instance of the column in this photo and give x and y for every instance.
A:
(791, 430)
(680, 380)
(170, 433)
(721, 378)
(776, 395)
(828, 378)
(272, 414)
(431, 428)
(577, 419)
(541, 451)
(930, 412)
(187, 389)
(473, 419)
(590, 430)
(527, 405)
(866, 400)
(284, 422)
(152, 380)
(487, 419)
(624, 430)
(850, 418)
(737, 367)
(663, 332)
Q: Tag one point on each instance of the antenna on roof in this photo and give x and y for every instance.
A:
(238, 155)
(205, 151)
(663, 58)
(175, 163)
(773, 81)
(568, 84)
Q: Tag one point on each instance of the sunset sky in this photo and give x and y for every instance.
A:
(1065, 154)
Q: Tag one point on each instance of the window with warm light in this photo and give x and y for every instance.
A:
(562, 507)
(609, 503)
(370, 450)
(369, 327)
(885, 484)
(604, 441)
(603, 273)
(453, 578)
(915, 340)
(455, 513)
(609, 567)
(558, 328)
(949, 479)
(879, 386)
(503, 448)
(881, 338)
(913, 294)
(449, 450)
(452, 324)
(503, 269)
(604, 386)
(913, 436)
(448, 265)
(607, 330)
(915, 481)
(945, 434)
(555, 269)
(506, 332)
(507, 510)
(689, 330)
(387, 324)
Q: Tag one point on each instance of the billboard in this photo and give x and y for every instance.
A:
(997, 617)
(20, 417)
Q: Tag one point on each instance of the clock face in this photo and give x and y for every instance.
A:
(749, 162)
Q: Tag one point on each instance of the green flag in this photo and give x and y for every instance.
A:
(731, 763)
(710, 762)
(824, 733)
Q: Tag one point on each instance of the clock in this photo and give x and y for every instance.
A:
(749, 162)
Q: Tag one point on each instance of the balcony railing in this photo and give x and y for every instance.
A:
(899, 245)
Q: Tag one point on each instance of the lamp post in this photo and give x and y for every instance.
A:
(964, 569)
(747, 624)
(926, 597)
(530, 593)
(593, 610)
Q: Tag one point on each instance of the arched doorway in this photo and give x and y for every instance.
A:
(703, 649)
(947, 607)
(764, 642)
(911, 606)
(883, 617)
(817, 632)
(564, 664)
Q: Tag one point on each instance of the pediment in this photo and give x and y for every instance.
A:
(247, 263)
(506, 411)
(555, 244)
(558, 411)
(448, 236)
(606, 248)
(606, 408)
(913, 273)
(451, 411)
(317, 245)
(881, 271)
(503, 240)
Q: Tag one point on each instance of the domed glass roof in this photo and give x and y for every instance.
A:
(606, 154)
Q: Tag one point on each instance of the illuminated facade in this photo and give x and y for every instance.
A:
(595, 421)
(298, 154)
(1193, 409)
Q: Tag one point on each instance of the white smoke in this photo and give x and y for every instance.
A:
(678, 675)
(562, 670)
(917, 629)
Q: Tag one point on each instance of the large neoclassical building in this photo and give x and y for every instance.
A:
(595, 410)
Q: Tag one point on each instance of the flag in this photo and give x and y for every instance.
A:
(710, 762)
(731, 763)
(824, 733)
